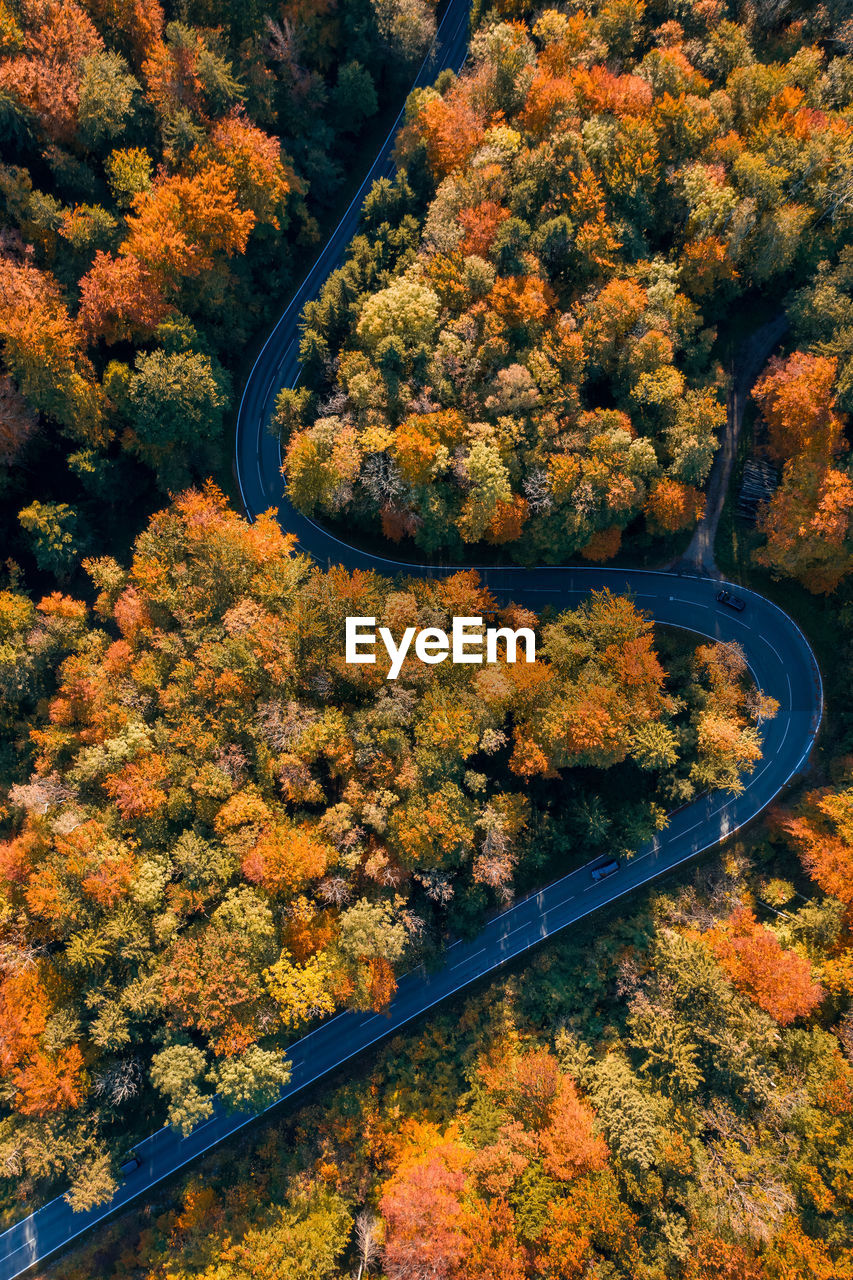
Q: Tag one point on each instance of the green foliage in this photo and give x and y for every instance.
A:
(589, 246)
(228, 832)
(251, 1081)
(177, 404)
(52, 531)
(176, 1073)
(354, 97)
(129, 142)
(109, 96)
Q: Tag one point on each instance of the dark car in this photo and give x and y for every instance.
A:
(732, 601)
(606, 869)
(132, 1162)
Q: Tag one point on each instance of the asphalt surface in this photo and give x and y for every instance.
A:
(779, 657)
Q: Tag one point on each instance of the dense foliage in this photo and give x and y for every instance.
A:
(520, 348)
(229, 832)
(638, 1105)
(163, 172)
(808, 522)
(215, 832)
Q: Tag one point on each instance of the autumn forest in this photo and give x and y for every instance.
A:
(542, 347)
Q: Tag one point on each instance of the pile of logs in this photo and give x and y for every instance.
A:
(757, 486)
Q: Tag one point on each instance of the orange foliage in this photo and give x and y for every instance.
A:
(807, 523)
(593, 1218)
(210, 983)
(24, 1009)
(421, 1205)
(44, 347)
(550, 101)
(111, 880)
(451, 129)
(672, 505)
(779, 981)
(795, 1256)
(508, 520)
(182, 225)
(138, 23)
(381, 983)
(611, 316)
(120, 299)
(253, 157)
(491, 1248)
(796, 397)
(706, 264)
(57, 605)
(527, 757)
(415, 451)
(15, 860)
(397, 524)
(603, 545)
(171, 77)
(45, 76)
(138, 789)
(130, 615)
(716, 1259)
(561, 55)
(599, 90)
(307, 931)
(48, 1084)
(569, 1146)
(480, 225)
(522, 300)
(822, 834)
(285, 858)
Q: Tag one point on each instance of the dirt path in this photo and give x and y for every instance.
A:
(750, 360)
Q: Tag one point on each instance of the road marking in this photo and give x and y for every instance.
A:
(770, 646)
(557, 905)
(459, 963)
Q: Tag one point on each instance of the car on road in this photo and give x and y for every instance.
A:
(132, 1162)
(732, 601)
(606, 869)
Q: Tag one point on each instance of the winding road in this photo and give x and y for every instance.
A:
(779, 657)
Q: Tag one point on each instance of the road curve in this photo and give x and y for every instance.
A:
(779, 657)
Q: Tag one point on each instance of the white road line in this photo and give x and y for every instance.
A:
(771, 647)
(459, 963)
(557, 905)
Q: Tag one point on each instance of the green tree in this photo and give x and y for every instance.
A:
(178, 404)
(354, 97)
(53, 535)
(176, 1073)
(252, 1080)
(108, 99)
